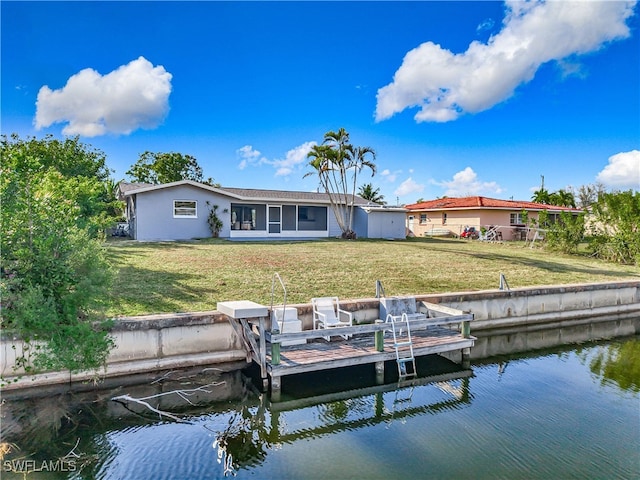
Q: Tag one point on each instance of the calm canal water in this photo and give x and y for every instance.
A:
(568, 413)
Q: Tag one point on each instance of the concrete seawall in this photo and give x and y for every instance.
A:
(543, 317)
(504, 322)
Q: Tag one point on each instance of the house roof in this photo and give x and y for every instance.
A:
(125, 187)
(280, 195)
(484, 203)
(242, 194)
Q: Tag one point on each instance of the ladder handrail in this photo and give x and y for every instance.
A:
(503, 283)
(402, 373)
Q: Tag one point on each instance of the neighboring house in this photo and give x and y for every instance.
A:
(179, 211)
(452, 215)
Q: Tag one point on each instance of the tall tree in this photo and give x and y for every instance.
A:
(369, 193)
(358, 158)
(589, 194)
(541, 196)
(562, 198)
(54, 274)
(77, 163)
(70, 157)
(157, 168)
(337, 164)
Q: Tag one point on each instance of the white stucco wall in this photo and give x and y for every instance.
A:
(154, 218)
(154, 214)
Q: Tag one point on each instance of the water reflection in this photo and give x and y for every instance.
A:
(69, 434)
(618, 363)
(253, 431)
(514, 404)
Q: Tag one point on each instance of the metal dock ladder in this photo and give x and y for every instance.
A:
(403, 345)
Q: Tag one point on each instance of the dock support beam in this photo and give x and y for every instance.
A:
(466, 358)
(380, 373)
(276, 388)
(263, 354)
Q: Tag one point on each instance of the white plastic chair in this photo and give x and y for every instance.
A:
(327, 314)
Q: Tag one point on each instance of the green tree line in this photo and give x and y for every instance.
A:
(54, 274)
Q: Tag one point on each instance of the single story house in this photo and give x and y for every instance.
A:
(179, 211)
(450, 216)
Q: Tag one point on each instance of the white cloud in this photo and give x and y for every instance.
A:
(389, 175)
(133, 96)
(445, 85)
(466, 183)
(623, 170)
(294, 158)
(248, 156)
(407, 187)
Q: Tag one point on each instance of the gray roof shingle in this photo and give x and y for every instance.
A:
(244, 194)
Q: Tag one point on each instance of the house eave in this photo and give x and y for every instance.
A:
(509, 209)
(163, 186)
(382, 208)
(226, 192)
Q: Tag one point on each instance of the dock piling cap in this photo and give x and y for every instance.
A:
(242, 309)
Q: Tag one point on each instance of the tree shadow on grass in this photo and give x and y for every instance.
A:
(546, 265)
(127, 247)
(141, 291)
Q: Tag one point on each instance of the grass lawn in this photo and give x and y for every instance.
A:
(194, 276)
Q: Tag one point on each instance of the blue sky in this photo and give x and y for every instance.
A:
(456, 98)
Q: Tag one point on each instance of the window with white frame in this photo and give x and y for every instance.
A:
(423, 218)
(516, 219)
(185, 209)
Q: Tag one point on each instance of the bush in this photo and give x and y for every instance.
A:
(616, 227)
(566, 234)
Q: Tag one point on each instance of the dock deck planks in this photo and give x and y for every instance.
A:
(320, 354)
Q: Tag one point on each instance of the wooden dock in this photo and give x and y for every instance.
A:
(440, 329)
(320, 354)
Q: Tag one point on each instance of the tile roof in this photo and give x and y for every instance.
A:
(476, 203)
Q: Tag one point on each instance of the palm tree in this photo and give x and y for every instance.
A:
(332, 162)
(324, 163)
(541, 196)
(114, 207)
(368, 193)
(562, 198)
(357, 161)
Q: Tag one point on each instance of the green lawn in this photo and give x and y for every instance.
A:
(194, 276)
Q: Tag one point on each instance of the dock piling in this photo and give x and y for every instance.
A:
(379, 338)
(275, 353)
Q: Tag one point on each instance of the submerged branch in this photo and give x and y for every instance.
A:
(181, 393)
(127, 398)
